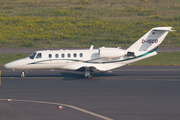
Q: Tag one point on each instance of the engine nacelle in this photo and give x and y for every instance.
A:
(111, 52)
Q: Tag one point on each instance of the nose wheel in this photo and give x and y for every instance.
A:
(22, 74)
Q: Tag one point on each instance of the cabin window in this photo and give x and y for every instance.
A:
(56, 55)
(69, 55)
(50, 55)
(39, 55)
(81, 55)
(31, 56)
(75, 55)
(62, 55)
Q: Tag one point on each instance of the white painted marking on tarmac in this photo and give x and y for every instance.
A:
(70, 106)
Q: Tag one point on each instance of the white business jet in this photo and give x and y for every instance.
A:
(92, 60)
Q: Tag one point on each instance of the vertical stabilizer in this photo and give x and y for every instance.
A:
(151, 40)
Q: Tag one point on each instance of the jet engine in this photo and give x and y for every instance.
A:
(111, 52)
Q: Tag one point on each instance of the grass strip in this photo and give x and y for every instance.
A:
(80, 23)
(161, 59)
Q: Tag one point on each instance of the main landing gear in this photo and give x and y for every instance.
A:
(88, 73)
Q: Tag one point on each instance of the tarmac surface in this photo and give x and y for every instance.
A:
(127, 93)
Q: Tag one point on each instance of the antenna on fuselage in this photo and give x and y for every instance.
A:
(91, 48)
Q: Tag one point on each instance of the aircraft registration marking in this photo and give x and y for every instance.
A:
(150, 41)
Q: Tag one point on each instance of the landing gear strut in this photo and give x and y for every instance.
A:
(87, 72)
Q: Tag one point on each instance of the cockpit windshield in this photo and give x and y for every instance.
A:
(31, 56)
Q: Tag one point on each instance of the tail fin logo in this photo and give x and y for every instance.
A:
(150, 41)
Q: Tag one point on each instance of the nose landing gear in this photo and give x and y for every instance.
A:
(22, 74)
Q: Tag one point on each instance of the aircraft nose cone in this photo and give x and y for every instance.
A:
(7, 66)
(17, 64)
(10, 65)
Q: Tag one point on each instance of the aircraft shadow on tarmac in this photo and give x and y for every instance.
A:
(65, 75)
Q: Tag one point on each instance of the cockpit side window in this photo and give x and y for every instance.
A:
(31, 56)
(39, 55)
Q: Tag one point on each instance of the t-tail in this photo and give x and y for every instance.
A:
(150, 41)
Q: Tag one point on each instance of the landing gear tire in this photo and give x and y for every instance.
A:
(22, 74)
(89, 76)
